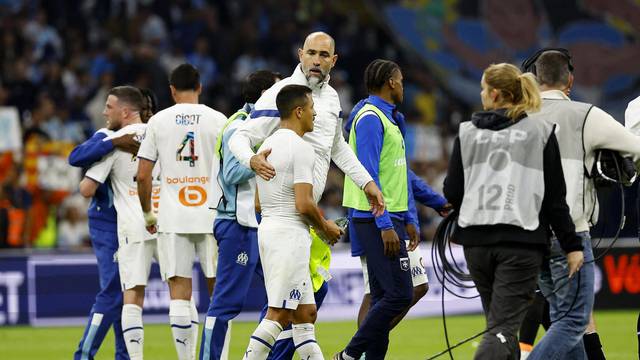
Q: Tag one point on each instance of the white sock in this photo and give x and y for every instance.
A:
(304, 338)
(194, 328)
(132, 330)
(262, 340)
(180, 319)
(524, 355)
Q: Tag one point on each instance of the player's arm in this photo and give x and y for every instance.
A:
(253, 131)
(348, 162)
(98, 146)
(88, 187)
(147, 156)
(308, 209)
(233, 172)
(303, 163)
(144, 180)
(96, 175)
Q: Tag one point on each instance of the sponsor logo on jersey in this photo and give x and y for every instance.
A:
(187, 180)
(192, 195)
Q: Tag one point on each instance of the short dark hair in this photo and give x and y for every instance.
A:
(377, 73)
(290, 97)
(150, 104)
(185, 77)
(129, 95)
(258, 82)
(552, 68)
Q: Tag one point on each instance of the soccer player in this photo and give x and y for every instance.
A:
(235, 229)
(106, 311)
(377, 77)
(288, 208)
(377, 140)
(182, 140)
(137, 246)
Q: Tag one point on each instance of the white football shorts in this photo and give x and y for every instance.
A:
(178, 253)
(284, 253)
(134, 262)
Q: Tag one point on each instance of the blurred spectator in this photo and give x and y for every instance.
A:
(201, 58)
(15, 205)
(73, 228)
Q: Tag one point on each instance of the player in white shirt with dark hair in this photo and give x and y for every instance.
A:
(182, 140)
(288, 208)
(136, 245)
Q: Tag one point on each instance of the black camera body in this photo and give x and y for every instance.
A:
(610, 168)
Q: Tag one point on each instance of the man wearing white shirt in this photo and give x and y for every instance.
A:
(581, 129)
(288, 208)
(317, 58)
(136, 245)
(182, 140)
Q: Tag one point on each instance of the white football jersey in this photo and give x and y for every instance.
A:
(122, 167)
(182, 140)
(293, 159)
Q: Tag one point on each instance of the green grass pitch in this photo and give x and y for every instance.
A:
(412, 339)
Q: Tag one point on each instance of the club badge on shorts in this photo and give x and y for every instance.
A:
(404, 264)
(294, 294)
(242, 259)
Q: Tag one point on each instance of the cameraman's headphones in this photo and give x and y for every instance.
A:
(529, 64)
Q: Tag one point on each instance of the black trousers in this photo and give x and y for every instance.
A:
(505, 276)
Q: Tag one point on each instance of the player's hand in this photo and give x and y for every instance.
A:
(150, 222)
(414, 236)
(575, 259)
(126, 143)
(445, 210)
(391, 242)
(261, 166)
(331, 233)
(376, 200)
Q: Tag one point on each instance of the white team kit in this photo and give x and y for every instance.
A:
(136, 246)
(283, 237)
(182, 140)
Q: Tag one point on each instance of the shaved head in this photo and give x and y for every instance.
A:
(318, 38)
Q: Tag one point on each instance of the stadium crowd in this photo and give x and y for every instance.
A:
(58, 59)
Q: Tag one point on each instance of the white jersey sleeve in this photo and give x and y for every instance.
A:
(261, 123)
(344, 157)
(149, 147)
(101, 170)
(303, 161)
